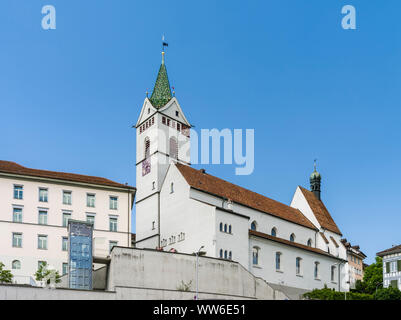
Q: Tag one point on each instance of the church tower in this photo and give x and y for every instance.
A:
(162, 137)
(315, 180)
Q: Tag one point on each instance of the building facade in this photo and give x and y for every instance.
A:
(35, 208)
(391, 267)
(180, 208)
(355, 259)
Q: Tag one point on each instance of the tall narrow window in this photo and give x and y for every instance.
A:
(90, 218)
(316, 271)
(221, 226)
(42, 242)
(64, 245)
(90, 200)
(42, 217)
(65, 269)
(172, 187)
(298, 266)
(274, 232)
(229, 229)
(230, 256)
(147, 147)
(113, 224)
(18, 192)
(221, 253)
(16, 265)
(225, 254)
(173, 148)
(17, 240)
(112, 244)
(309, 243)
(254, 226)
(67, 197)
(43, 194)
(17, 215)
(113, 203)
(292, 237)
(255, 256)
(66, 217)
(333, 273)
(278, 261)
(225, 228)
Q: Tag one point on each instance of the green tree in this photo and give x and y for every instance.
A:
(43, 272)
(373, 277)
(388, 294)
(5, 275)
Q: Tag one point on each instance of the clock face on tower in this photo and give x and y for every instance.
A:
(145, 167)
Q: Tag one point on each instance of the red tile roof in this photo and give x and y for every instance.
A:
(289, 243)
(221, 188)
(321, 213)
(14, 168)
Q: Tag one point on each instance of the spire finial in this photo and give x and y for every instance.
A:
(173, 91)
(164, 44)
(147, 93)
(314, 164)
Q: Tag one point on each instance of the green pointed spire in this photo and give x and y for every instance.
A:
(161, 92)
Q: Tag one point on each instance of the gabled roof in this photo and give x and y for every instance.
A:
(395, 249)
(14, 168)
(292, 244)
(161, 93)
(221, 188)
(321, 213)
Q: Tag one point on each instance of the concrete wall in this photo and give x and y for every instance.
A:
(167, 271)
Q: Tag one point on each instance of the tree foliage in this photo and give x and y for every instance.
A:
(388, 294)
(5, 275)
(373, 277)
(43, 272)
(331, 294)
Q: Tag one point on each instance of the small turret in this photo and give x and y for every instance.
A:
(315, 181)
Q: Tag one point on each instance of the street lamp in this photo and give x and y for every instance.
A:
(197, 272)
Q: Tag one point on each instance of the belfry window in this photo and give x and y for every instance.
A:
(147, 147)
(173, 148)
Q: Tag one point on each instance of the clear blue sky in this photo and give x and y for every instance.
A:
(286, 68)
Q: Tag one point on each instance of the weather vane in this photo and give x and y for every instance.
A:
(164, 43)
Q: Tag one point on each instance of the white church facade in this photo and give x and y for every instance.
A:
(181, 208)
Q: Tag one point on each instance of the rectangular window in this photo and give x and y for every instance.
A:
(65, 269)
(67, 197)
(90, 218)
(17, 215)
(17, 240)
(64, 245)
(43, 193)
(41, 263)
(90, 200)
(113, 203)
(18, 192)
(333, 272)
(42, 242)
(113, 224)
(278, 256)
(66, 217)
(42, 217)
(163, 120)
(112, 244)
(168, 122)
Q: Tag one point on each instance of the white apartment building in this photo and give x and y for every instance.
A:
(35, 206)
(180, 208)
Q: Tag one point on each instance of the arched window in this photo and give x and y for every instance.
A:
(274, 232)
(225, 228)
(225, 254)
(221, 226)
(254, 226)
(230, 255)
(173, 148)
(316, 272)
(255, 256)
(147, 147)
(16, 264)
(278, 260)
(298, 265)
(309, 243)
(221, 253)
(292, 237)
(333, 273)
(229, 229)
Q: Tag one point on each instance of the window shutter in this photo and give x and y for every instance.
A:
(387, 267)
(398, 265)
